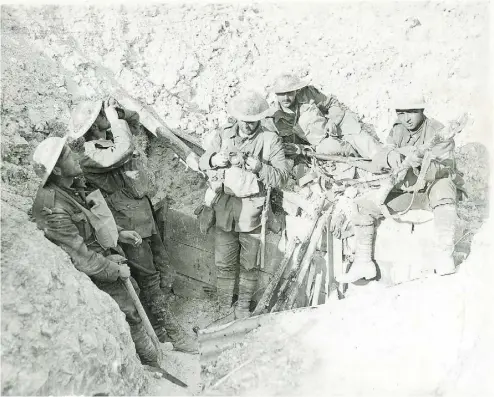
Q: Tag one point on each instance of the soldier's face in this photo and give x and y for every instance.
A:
(102, 122)
(286, 99)
(248, 127)
(68, 163)
(411, 118)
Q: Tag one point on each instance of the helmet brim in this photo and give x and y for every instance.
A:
(80, 131)
(57, 151)
(249, 118)
(289, 88)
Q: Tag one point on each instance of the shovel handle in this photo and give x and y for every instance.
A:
(142, 313)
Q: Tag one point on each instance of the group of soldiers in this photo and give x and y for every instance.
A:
(95, 205)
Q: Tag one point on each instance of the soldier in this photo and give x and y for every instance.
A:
(108, 161)
(242, 160)
(411, 130)
(61, 210)
(304, 115)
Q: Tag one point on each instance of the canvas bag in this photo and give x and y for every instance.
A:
(101, 219)
(242, 183)
(139, 182)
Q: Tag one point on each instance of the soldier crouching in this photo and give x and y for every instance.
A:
(412, 136)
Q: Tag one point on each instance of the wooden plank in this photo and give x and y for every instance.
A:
(184, 228)
(338, 257)
(317, 289)
(329, 259)
(191, 288)
(192, 262)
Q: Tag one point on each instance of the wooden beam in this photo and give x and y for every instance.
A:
(317, 289)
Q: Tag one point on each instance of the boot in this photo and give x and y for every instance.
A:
(246, 289)
(167, 325)
(444, 225)
(144, 345)
(362, 266)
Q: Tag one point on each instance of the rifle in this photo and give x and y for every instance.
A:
(264, 219)
(361, 163)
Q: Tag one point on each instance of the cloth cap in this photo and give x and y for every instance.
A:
(249, 106)
(288, 83)
(46, 156)
(82, 118)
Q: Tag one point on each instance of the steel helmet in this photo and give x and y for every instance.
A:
(82, 117)
(249, 106)
(46, 156)
(406, 101)
(288, 83)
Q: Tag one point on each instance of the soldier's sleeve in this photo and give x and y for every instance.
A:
(328, 105)
(212, 147)
(395, 137)
(275, 173)
(133, 120)
(60, 229)
(442, 158)
(106, 157)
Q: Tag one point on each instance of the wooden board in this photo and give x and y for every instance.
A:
(191, 252)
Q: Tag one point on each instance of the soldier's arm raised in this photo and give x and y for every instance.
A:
(97, 156)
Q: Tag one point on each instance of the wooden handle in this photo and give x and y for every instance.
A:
(142, 313)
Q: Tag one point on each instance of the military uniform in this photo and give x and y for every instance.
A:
(306, 123)
(104, 168)
(440, 195)
(57, 212)
(238, 219)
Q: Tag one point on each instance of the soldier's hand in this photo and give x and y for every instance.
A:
(111, 102)
(253, 164)
(220, 159)
(123, 271)
(292, 149)
(111, 113)
(413, 160)
(394, 159)
(130, 237)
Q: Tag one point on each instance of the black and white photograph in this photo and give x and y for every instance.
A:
(279, 198)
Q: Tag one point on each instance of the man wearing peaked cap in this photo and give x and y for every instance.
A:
(112, 165)
(242, 160)
(61, 210)
(411, 131)
(306, 116)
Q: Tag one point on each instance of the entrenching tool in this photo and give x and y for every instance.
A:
(150, 331)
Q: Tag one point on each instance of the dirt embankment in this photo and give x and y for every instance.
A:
(60, 334)
(186, 61)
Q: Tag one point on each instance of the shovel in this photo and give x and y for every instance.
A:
(150, 332)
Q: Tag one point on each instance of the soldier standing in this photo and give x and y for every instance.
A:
(61, 210)
(243, 160)
(109, 157)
